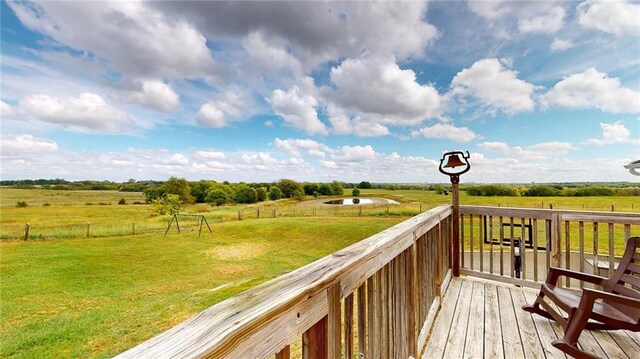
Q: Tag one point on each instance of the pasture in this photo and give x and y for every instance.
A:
(66, 295)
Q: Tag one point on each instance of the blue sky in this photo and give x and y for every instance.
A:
(541, 91)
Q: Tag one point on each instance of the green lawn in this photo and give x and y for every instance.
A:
(94, 298)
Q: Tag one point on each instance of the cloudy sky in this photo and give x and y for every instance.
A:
(256, 91)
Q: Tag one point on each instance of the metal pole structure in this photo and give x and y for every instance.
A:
(455, 246)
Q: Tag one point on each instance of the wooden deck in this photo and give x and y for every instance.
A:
(483, 319)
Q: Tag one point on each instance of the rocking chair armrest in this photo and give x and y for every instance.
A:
(592, 294)
(555, 273)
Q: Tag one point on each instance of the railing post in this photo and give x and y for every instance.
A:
(411, 268)
(455, 243)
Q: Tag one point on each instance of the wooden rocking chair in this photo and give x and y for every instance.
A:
(617, 306)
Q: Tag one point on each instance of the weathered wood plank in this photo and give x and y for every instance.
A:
(437, 342)
(285, 353)
(474, 343)
(512, 343)
(362, 315)
(527, 328)
(455, 343)
(545, 330)
(493, 331)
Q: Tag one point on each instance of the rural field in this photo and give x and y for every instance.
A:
(96, 277)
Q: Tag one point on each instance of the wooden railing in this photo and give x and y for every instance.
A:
(518, 245)
(377, 297)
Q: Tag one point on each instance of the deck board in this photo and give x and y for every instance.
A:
(483, 319)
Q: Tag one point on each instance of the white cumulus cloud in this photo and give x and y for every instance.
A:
(154, 94)
(593, 89)
(550, 22)
(298, 110)
(560, 45)
(613, 133)
(615, 17)
(88, 110)
(26, 144)
(495, 86)
(446, 131)
(209, 155)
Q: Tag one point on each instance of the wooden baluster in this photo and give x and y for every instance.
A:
(567, 249)
(490, 244)
(512, 248)
(412, 300)
(362, 316)
(627, 232)
(581, 245)
(461, 254)
(471, 241)
(611, 269)
(334, 319)
(348, 326)
(314, 341)
(501, 246)
(371, 305)
(595, 248)
(378, 317)
(534, 235)
(285, 353)
(523, 250)
(481, 220)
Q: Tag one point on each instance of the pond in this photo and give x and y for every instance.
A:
(350, 201)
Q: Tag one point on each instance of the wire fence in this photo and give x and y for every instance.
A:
(87, 229)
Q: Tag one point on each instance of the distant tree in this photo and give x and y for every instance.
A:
(153, 193)
(262, 194)
(309, 188)
(179, 187)
(325, 189)
(122, 201)
(167, 204)
(542, 191)
(316, 194)
(218, 194)
(199, 190)
(245, 194)
(355, 192)
(275, 193)
(288, 187)
(338, 188)
(298, 194)
(364, 185)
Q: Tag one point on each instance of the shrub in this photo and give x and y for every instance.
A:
(47, 204)
(364, 185)
(169, 203)
(122, 201)
(325, 189)
(356, 201)
(338, 188)
(288, 187)
(262, 194)
(542, 191)
(245, 194)
(316, 194)
(275, 193)
(355, 193)
(298, 194)
(218, 195)
(491, 190)
(21, 204)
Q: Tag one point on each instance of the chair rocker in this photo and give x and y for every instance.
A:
(617, 306)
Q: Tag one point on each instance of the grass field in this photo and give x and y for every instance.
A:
(64, 295)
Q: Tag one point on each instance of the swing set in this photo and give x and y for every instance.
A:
(200, 218)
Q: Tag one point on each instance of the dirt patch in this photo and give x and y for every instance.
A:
(237, 251)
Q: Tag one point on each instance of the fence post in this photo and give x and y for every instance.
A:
(239, 215)
(88, 229)
(273, 213)
(551, 205)
(133, 228)
(420, 207)
(613, 207)
(360, 211)
(387, 208)
(257, 212)
(26, 231)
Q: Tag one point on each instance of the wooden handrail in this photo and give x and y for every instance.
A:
(264, 320)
